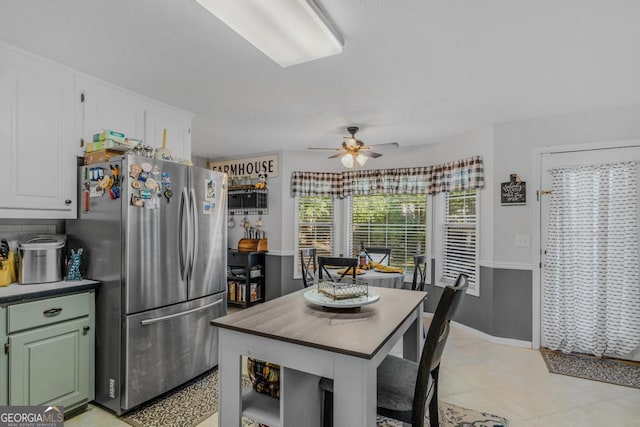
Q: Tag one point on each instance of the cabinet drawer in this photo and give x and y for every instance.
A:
(237, 258)
(45, 312)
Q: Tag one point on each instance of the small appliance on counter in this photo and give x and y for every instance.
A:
(40, 259)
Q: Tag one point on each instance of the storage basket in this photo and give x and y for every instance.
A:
(264, 376)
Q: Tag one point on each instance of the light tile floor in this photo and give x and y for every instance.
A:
(503, 380)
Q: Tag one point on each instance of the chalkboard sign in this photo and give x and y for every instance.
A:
(513, 193)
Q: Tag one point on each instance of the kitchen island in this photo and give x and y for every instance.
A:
(309, 342)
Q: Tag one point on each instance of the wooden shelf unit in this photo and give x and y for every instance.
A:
(245, 278)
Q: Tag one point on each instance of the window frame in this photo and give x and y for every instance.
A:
(426, 245)
(342, 233)
(440, 236)
(297, 273)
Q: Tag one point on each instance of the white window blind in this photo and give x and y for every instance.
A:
(315, 218)
(460, 240)
(398, 221)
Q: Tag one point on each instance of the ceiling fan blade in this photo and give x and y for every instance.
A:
(388, 144)
(324, 149)
(370, 154)
(334, 156)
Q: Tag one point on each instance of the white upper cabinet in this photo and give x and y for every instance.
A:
(178, 126)
(105, 107)
(37, 166)
(48, 113)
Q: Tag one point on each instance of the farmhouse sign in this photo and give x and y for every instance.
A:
(249, 167)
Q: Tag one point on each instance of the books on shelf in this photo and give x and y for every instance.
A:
(237, 291)
(231, 295)
(253, 292)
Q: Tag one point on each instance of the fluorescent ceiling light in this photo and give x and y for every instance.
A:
(289, 32)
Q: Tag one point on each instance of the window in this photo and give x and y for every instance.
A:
(315, 217)
(398, 221)
(460, 238)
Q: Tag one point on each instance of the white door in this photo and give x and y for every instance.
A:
(549, 284)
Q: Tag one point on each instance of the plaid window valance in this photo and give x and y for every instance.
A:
(458, 175)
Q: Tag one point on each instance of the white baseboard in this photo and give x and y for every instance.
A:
(490, 338)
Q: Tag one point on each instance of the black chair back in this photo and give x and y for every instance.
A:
(379, 255)
(308, 265)
(419, 272)
(427, 381)
(349, 264)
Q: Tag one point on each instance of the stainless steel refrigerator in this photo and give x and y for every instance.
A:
(154, 234)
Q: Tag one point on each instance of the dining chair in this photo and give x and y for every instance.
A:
(404, 387)
(308, 265)
(349, 264)
(379, 255)
(419, 272)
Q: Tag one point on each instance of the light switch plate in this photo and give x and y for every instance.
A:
(522, 240)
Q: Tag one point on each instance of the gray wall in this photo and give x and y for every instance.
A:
(279, 276)
(504, 308)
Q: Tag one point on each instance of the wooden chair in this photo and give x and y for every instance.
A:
(379, 255)
(419, 272)
(309, 266)
(349, 264)
(405, 388)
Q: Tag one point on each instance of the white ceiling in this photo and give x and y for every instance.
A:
(412, 71)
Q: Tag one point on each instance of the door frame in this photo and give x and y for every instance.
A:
(537, 218)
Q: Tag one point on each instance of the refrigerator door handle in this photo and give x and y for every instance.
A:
(153, 320)
(181, 238)
(194, 243)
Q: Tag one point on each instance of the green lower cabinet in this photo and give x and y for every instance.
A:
(50, 365)
(50, 359)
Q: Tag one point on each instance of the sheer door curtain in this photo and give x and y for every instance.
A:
(591, 287)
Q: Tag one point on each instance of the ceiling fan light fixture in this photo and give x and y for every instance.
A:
(289, 32)
(361, 159)
(351, 141)
(347, 160)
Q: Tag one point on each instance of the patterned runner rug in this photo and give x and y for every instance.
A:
(197, 400)
(614, 371)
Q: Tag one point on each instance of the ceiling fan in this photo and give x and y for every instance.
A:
(355, 151)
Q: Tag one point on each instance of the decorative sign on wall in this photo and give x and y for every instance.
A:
(514, 192)
(250, 167)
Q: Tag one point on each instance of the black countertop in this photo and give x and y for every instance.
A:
(19, 293)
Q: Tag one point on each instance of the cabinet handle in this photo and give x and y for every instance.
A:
(86, 329)
(52, 312)
(67, 202)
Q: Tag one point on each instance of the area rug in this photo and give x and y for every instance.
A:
(450, 416)
(613, 371)
(192, 403)
(185, 406)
